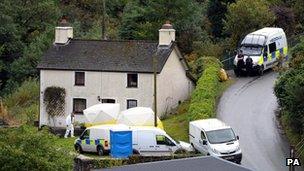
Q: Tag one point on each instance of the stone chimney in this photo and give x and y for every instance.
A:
(166, 34)
(63, 33)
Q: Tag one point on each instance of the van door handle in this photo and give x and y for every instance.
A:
(151, 146)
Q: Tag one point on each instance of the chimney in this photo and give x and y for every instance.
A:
(166, 34)
(63, 32)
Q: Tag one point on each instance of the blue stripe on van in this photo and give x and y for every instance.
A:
(87, 141)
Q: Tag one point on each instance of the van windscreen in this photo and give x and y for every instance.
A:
(220, 136)
(251, 50)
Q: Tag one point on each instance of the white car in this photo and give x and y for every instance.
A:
(215, 138)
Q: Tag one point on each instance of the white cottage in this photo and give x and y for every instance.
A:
(111, 71)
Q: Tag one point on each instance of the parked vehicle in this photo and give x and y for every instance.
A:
(147, 141)
(261, 50)
(97, 138)
(151, 141)
(215, 138)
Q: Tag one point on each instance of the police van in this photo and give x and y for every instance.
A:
(261, 50)
(146, 140)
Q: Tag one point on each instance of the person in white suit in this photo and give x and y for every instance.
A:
(69, 123)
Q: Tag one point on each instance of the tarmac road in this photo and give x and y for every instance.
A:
(248, 106)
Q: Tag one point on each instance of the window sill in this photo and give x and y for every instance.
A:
(131, 87)
(79, 85)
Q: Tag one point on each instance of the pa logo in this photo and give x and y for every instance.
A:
(293, 162)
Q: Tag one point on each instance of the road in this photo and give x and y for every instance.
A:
(248, 106)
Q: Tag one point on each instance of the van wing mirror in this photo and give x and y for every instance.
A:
(237, 137)
(204, 142)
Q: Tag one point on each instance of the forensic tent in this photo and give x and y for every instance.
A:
(138, 116)
(104, 113)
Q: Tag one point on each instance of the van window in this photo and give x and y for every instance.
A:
(85, 135)
(163, 140)
(160, 139)
(203, 135)
(272, 47)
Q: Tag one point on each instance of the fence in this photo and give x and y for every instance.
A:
(227, 60)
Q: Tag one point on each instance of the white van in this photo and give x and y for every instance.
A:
(261, 50)
(151, 141)
(215, 138)
(97, 138)
(147, 141)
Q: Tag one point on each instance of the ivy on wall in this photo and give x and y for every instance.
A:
(54, 100)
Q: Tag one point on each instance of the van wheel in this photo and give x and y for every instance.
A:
(100, 151)
(78, 149)
(135, 152)
(261, 70)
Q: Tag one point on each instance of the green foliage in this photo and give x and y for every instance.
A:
(23, 103)
(216, 14)
(203, 98)
(143, 19)
(22, 23)
(54, 99)
(246, 16)
(25, 148)
(289, 89)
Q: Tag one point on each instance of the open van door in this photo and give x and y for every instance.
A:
(164, 146)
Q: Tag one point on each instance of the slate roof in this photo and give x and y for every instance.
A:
(106, 55)
(205, 163)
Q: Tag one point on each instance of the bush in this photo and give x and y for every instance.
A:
(203, 98)
(22, 104)
(26, 148)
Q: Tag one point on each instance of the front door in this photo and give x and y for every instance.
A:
(162, 147)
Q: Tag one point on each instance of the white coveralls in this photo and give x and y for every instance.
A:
(70, 127)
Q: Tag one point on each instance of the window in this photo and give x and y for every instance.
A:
(131, 103)
(203, 135)
(85, 135)
(132, 80)
(160, 140)
(79, 105)
(272, 47)
(163, 140)
(107, 100)
(79, 78)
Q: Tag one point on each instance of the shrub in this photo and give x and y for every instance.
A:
(22, 105)
(26, 148)
(203, 98)
(54, 99)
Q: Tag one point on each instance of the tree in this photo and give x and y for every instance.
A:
(216, 14)
(284, 18)
(143, 19)
(245, 16)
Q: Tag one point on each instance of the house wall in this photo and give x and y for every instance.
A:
(104, 84)
(172, 84)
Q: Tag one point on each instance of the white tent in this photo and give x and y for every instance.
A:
(137, 116)
(104, 113)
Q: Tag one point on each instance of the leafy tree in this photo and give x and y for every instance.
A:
(21, 23)
(143, 19)
(216, 14)
(25, 148)
(245, 16)
(284, 18)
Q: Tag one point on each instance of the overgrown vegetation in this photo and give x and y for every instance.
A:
(289, 90)
(26, 148)
(21, 106)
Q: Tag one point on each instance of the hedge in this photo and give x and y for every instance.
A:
(203, 98)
